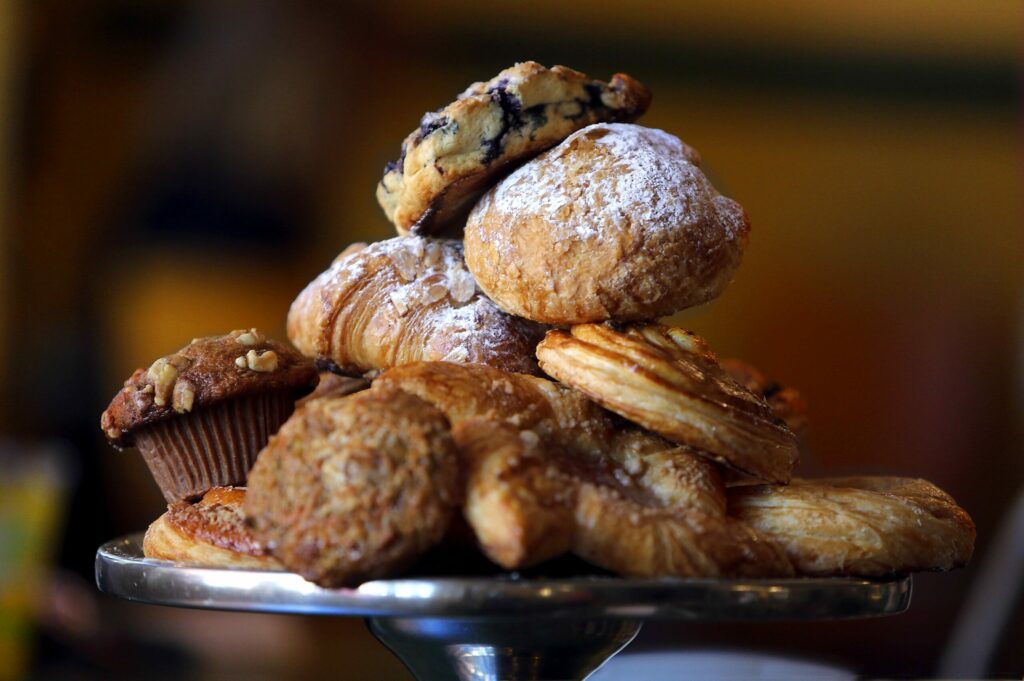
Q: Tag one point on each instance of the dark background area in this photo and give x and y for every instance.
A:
(173, 169)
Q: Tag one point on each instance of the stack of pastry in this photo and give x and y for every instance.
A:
(505, 367)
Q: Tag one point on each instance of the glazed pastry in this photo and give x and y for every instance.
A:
(357, 487)
(210, 533)
(460, 150)
(866, 526)
(404, 300)
(786, 403)
(528, 501)
(615, 223)
(201, 415)
(667, 380)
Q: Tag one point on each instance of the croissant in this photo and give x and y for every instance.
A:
(405, 300)
(867, 526)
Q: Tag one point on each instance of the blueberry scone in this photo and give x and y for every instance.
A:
(459, 151)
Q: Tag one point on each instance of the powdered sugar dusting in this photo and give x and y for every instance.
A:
(428, 285)
(646, 178)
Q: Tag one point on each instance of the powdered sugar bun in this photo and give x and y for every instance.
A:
(405, 300)
(616, 222)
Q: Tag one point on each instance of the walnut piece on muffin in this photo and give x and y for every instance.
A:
(200, 415)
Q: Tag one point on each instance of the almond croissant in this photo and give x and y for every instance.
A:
(404, 300)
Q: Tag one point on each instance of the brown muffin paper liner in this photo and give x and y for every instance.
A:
(213, 446)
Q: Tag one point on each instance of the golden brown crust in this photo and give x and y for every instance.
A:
(667, 380)
(868, 526)
(210, 533)
(616, 223)
(334, 385)
(459, 151)
(207, 371)
(354, 488)
(786, 403)
(554, 411)
(529, 500)
(404, 300)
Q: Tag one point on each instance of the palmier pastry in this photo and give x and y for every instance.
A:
(404, 300)
(353, 488)
(615, 223)
(868, 526)
(528, 500)
(786, 403)
(459, 151)
(667, 380)
(210, 532)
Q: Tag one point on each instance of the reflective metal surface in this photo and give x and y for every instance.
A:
(490, 628)
(122, 571)
(474, 649)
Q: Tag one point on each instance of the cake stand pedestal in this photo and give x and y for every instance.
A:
(497, 628)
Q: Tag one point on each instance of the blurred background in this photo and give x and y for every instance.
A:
(179, 168)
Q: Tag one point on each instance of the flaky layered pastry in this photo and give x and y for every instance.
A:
(554, 411)
(405, 300)
(618, 222)
(210, 533)
(786, 402)
(460, 150)
(868, 526)
(667, 380)
(528, 500)
(354, 488)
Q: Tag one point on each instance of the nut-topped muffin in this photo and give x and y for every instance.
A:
(201, 415)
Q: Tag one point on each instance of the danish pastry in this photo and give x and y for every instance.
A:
(457, 152)
(357, 487)
(210, 532)
(615, 223)
(667, 380)
(869, 526)
(528, 501)
(404, 300)
(555, 412)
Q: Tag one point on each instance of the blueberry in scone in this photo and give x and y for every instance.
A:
(459, 151)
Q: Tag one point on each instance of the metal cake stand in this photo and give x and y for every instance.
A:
(497, 627)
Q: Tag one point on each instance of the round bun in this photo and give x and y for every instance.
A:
(354, 488)
(616, 222)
